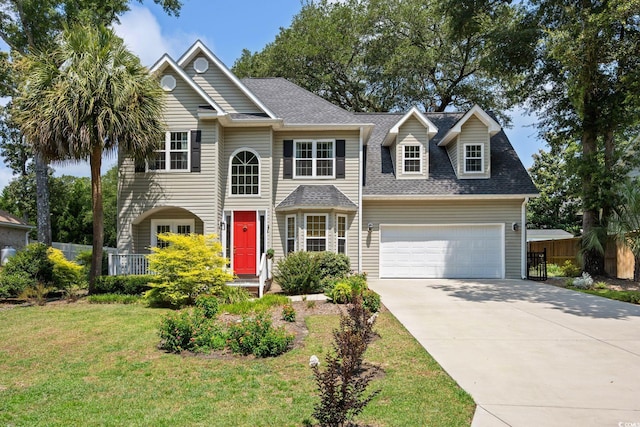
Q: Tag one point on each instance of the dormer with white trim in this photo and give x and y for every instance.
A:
(468, 144)
(408, 142)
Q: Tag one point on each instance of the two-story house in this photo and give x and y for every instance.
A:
(265, 164)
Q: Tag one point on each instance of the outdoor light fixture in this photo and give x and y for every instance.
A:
(515, 226)
(223, 225)
(370, 227)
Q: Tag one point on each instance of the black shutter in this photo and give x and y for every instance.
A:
(287, 154)
(340, 155)
(196, 137)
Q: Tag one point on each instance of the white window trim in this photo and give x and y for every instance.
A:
(464, 157)
(420, 159)
(173, 223)
(314, 159)
(287, 236)
(338, 238)
(167, 153)
(255, 153)
(326, 229)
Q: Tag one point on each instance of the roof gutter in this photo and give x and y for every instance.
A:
(388, 197)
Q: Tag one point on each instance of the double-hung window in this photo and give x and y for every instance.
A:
(315, 233)
(411, 159)
(315, 159)
(172, 154)
(291, 233)
(341, 234)
(179, 226)
(473, 158)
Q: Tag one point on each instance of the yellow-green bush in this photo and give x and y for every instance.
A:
(66, 274)
(189, 266)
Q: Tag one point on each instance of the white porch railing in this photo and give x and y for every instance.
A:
(128, 264)
(263, 273)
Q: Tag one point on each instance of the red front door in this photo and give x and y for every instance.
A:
(244, 242)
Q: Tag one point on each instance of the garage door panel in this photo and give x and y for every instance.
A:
(452, 251)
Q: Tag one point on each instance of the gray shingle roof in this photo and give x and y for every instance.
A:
(508, 175)
(296, 105)
(316, 196)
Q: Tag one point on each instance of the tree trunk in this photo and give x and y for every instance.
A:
(636, 268)
(42, 200)
(98, 216)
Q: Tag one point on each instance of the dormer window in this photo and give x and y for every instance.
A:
(473, 158)
(412, 159)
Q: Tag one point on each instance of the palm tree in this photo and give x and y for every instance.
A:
(625, 221)
(88, 96)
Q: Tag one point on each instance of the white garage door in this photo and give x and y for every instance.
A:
(442, 251)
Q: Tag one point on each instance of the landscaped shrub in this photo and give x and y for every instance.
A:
(84, 259)
(583, 282)
(114, 299)
(233, 295)
(26, 269)
(13, 284)
(176, 330)
(66, 274)
(288, 313)
(256, 335)
(371, 300)
(341, 293)
(209, 305)
(188, 266)
(297, 273)
(126, 285)
(570, 269)
(332, 265)
(343, 384)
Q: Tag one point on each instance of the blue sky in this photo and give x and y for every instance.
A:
(228, 27)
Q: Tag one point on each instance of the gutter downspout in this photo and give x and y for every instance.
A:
(524, 237)
(360, 166)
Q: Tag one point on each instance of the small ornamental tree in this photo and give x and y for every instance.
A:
(190, 265)
(343, 384)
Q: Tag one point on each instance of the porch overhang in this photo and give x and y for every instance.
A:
(316, 197)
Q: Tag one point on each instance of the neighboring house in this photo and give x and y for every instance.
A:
(267, 164)
(14, 232)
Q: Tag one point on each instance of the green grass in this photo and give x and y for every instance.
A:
(625, 296)
(98, 365)
(114, 299)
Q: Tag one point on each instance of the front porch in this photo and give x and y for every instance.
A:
(138, 264)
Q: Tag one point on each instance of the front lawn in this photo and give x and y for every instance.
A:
(89, 364)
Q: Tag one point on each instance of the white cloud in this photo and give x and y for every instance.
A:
(144, 36)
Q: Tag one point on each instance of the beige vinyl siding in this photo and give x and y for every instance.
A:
(474, 132)
(258, 140)
(412, 132)
(142, 231)
(452, 150)
(349, 186)
(221, 89)
(195, 192)
(442, 212)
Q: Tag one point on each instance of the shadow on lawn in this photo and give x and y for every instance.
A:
(556, 298)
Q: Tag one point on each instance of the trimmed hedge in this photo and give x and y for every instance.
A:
(124, 285)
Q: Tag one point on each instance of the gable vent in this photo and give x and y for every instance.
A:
(200, 65)
(168, 83)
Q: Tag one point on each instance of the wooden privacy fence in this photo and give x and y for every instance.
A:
(618, 259)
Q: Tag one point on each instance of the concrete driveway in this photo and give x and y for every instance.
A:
(530, 354)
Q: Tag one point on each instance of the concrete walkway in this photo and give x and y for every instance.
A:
(530, 354)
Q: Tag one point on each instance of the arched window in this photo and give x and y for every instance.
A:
(245, 173)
